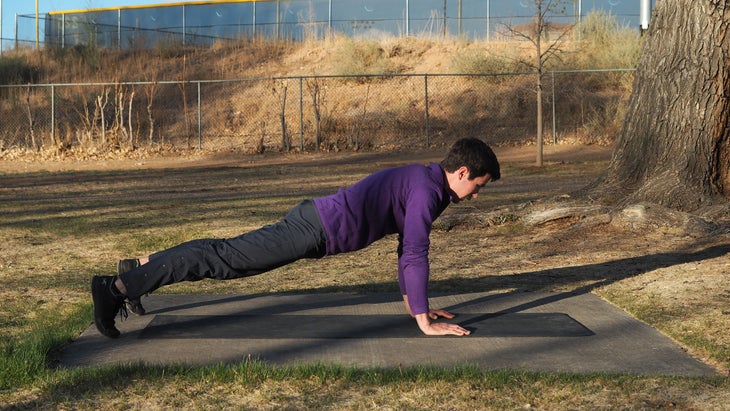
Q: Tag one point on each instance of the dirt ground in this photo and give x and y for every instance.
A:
(670, 270)
(521, 154)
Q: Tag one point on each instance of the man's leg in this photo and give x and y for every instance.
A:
(298, 235)
(135, 304)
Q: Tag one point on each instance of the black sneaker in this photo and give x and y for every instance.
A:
(107, 303)
(134, 305)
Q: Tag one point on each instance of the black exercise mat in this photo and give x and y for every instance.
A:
(355, 326)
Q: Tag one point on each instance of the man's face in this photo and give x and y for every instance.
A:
(466, 189)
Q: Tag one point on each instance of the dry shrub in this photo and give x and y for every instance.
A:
(605, 44)
(355, 57)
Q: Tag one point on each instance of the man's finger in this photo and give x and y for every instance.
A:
(442, 313)
(461, 331)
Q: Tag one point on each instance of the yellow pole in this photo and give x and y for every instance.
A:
(36, 25)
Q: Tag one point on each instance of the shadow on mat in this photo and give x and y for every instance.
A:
(599, 274)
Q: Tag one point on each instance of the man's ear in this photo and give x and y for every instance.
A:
(463, 172)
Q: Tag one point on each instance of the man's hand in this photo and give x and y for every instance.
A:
(435, 314)
(429, 328)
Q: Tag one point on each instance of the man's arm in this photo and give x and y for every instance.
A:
(430, 328)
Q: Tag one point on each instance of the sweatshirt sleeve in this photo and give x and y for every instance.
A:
(413, 247)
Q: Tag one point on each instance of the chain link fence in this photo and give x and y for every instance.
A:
(313, 112)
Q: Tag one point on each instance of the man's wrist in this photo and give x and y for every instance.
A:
(424, 323)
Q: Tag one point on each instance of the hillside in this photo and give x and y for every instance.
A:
(101, 108)
(332, 56)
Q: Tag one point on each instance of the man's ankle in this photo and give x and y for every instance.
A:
(118, 288)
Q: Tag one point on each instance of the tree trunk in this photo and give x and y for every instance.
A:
(674, 147)
(285, 143)
(540, 28)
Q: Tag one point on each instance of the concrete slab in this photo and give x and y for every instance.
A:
(529, 331)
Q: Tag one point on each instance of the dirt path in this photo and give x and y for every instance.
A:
(520, 154)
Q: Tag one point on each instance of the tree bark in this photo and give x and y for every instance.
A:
(674, 147)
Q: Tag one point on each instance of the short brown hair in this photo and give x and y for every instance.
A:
(475, 155)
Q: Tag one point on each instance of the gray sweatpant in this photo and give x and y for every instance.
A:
(298, 235)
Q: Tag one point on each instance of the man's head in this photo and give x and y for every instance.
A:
(473, 154)
(469, 165)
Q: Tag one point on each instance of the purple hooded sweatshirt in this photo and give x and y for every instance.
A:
(404, 200)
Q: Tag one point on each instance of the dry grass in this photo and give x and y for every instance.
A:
(504, 391)
(58, 228)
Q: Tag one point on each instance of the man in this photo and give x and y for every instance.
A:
(404, 200)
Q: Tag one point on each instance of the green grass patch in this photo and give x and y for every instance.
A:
(25, 359)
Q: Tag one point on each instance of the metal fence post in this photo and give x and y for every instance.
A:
(200, 131)
(53, 113)
(555, 137)
(408, 19)
(183, 27)
(425, 86)
(119, 28)
(278, 19)
(301, 113)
